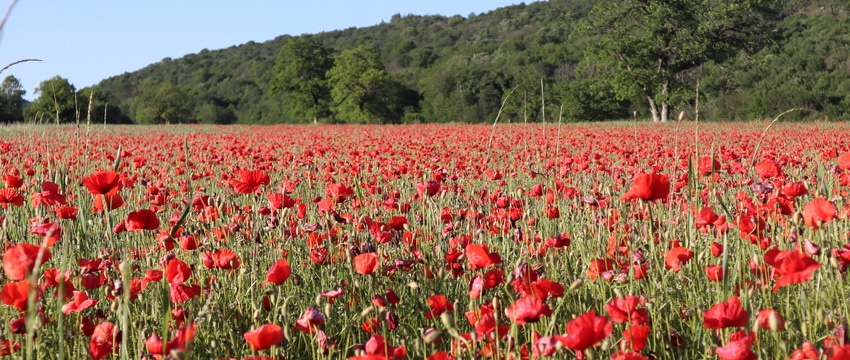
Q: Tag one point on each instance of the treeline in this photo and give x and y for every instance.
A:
(561, 53)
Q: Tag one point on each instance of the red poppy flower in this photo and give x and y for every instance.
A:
(67, 212)
(843, 162)
(371, 326)
(264, 337)
(10, 196)
(104, 341)
(768, 170)
(181, 293)
(19, 260)
(9, 347)
(626, 309)
(599, 267)
(528, 309)
(676, 257)
(552, 212)
(806, 352)
(627, 355)
(480, 257)
(725, 314)
(279, 201)
(840, 352)
(707, 217)
(790, 266)
(310, 320)
(181, 340)
(544, 288)
(16, 293)
(49, 195)
(769, 319)
(738, 348)
(141, 220)
(714, 272)
(648, 187)
(151, 276)
(81, 302)
(585, 331)
(250, 181)
(13, 181)
(438, 304)
(107, 202)
(635, 336)
(428, 188)
(707, 165)
(818, 211)
(221, 259)
(339, 192)
(278, 273)
(103, 183)
(177, 272)
(366, 264)
(716, 249)
(794, 189)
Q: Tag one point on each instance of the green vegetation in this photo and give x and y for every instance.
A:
(752, 59)
(11, 100)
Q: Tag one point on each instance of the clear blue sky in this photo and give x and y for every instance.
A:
(86, 41)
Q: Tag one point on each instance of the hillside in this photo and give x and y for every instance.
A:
(461, 68)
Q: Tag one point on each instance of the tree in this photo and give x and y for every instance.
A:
(649, 45)
(360, 87)
(11, 100)
(162, 103)
(56, 101)
(300, 73)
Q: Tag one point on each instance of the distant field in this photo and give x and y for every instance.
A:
(622, 241)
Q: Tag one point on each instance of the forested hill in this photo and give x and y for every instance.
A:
(439, 69)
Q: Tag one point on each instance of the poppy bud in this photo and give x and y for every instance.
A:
(367, 311)
(432, 336)
(392, 320)
(448, 320)
(576, 284)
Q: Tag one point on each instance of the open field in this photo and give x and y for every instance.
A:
(601, 241)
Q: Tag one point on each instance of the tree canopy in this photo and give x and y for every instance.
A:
(646, 47)
(752, 58)
(300, 73)
(11, 100)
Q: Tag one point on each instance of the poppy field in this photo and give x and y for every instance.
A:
(611, 241)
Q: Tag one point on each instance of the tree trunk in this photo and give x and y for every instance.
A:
(315, 109)
(653, 109)
(665, 88)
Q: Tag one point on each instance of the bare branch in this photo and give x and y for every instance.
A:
(2, 24)
(6, 16)
(16, 62)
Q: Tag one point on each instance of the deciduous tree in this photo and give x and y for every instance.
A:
(163, 103)
(55, 102)
(11, 100)
(649, 45)
(300, 73)
(360, 87)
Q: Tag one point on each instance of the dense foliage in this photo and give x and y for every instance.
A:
(461, 69)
